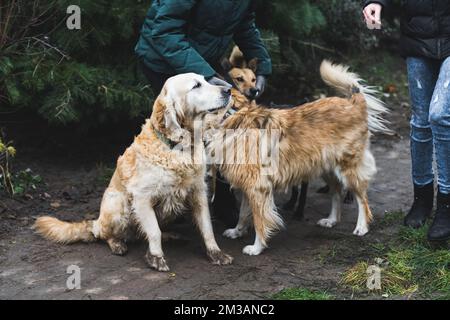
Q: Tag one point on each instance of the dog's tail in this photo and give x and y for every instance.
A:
(348, 83)
(64, 232)
(266, 219)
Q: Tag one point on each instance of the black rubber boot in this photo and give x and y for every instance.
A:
(440, 229)
(422, 206)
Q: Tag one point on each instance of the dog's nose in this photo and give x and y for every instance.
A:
(226, 91)
(253, 92)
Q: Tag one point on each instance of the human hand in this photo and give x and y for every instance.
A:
(372, 15)
(215, 81)
(260, 85)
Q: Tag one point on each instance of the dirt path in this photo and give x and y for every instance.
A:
(304, 255)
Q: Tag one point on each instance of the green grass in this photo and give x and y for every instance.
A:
(302, 294)
(328, 255)
(411, 265)
(22, 182)
(391, 218)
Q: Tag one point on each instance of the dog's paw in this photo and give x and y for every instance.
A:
(118, 248)
(327, 223)
(157, 263)
(233, 233)
(219, 258)
(360, 231)
(252, 250)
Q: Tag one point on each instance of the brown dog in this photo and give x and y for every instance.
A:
(328, 138)
(242, 73)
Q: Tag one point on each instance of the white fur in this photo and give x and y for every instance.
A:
(340, 78)
(154, 181)
(256, 248)
(361, 226)
(336, 210)
(245, 216)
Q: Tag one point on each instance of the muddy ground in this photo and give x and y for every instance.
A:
(303, 255)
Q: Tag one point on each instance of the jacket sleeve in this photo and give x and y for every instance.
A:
(248, 39)
(170, 41)
(385, 3)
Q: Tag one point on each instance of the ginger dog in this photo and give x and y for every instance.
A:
(327, 138)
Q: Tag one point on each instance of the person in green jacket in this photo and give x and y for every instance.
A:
(182, 36)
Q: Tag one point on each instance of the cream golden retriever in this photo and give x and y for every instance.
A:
(155, 180)
(328, 138)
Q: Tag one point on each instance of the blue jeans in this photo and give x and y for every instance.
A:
(429, 86)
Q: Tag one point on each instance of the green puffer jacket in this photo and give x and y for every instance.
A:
(181, 36)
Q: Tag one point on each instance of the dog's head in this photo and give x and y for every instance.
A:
(184, 98)
(242, 73)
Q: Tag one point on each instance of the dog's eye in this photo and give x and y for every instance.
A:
(253, 80)
(240, 79)
(197, 85)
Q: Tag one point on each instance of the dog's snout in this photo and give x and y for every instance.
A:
(253, 92)
(226, 91)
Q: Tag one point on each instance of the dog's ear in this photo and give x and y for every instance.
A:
(226, 65)
(170, 116)
(166, 117)
(237, 59)
(253, 64)
(157, 117)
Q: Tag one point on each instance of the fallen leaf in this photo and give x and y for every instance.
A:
(28, 196)
(390, 88)
(55, 204)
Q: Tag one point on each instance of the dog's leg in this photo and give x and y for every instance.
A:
(244, 222)
(256, 248)
(203, 219)
(265, 218)
(114, 221)
(364, 215)
(300, 212)
(349, 199)
(149, 224)
(358, 182)
(335, 215)
(293, 200)
(336, 203)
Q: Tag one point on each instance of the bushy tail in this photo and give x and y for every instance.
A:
(338, 77)
(64, 232)
(266, 219)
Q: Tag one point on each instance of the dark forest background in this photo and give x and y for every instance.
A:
(85, 78)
